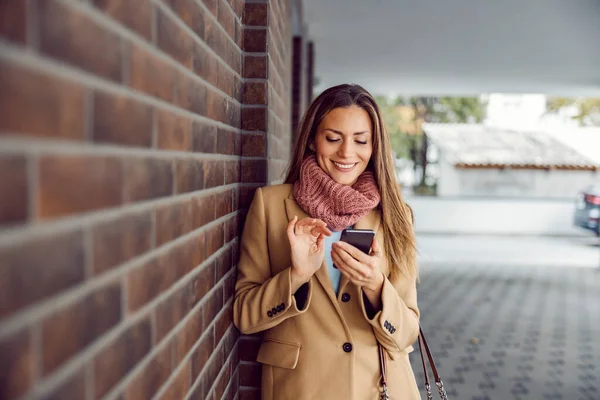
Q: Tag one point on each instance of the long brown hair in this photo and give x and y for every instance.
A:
(399, 238)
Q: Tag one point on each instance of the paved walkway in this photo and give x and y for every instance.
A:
(505, 331)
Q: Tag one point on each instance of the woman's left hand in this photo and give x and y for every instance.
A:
(361, 269)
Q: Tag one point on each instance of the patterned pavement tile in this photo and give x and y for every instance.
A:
(512, 332)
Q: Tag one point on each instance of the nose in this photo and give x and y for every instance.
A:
(346, 149)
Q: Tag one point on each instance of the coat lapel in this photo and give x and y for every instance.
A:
(370, 221)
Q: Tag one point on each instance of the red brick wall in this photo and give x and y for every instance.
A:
(132, 135)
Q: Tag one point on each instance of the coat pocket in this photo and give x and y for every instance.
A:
(279, 354)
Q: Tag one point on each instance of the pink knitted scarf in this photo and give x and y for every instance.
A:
(339, 206)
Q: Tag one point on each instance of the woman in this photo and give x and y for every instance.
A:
(322, 304)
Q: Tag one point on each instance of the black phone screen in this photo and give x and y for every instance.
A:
(362, 239)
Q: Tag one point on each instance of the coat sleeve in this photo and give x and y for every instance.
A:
(263, 300)
(396, 325)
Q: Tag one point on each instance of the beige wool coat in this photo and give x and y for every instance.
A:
(317, 345)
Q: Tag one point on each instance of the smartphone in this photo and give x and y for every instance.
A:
(362, 239)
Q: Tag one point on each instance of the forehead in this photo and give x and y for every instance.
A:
(347, 120)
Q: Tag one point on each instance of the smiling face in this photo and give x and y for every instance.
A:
(344, 143)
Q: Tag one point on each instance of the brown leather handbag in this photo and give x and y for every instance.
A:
(424, 348)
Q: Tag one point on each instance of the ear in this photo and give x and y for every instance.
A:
(311, 146)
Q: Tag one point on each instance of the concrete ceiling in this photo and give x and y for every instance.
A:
(457, 46)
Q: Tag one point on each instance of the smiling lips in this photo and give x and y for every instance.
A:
(344, 167)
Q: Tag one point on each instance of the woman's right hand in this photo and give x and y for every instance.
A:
(307, 241)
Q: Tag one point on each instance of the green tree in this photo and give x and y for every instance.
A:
(588, 109)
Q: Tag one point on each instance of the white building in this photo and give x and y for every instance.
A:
(478, 160)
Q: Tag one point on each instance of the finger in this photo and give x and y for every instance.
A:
(348, 272)
(321, 242)
(291, 229)
(360, 269)
(352, 251)
(318, 230)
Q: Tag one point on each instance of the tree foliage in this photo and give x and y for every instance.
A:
(587, 109)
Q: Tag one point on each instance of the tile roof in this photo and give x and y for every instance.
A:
(480, 146)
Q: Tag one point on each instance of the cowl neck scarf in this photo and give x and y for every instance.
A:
(339, 206)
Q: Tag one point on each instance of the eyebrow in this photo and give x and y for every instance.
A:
(341, 133)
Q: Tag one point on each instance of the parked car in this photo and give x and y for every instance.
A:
(587, 211)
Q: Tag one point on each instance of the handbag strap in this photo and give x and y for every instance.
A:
(424, 349)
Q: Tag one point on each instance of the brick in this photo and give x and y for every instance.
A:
(199, 250)
(173, 131)
(214, 173)
(223, 322)
(174, 41)
(119, 240)
(238, 8)
(211, 308)
(216, 104)
(254, 119)
(14, 196)
(254, 145)
(224, 204)
(205, 65)
(222, 381)
(226, 18)
(232, 172)
(180, 385)
(225, 82)
(210, 373)
(70, 36)
(37, 269)
(76, 184)
(204, 210)
(144, 283)
(255, 93)
(204, 137)
(121, 120)
(250, 374)
(173, 221)
(254, 171)
(197, 97)
(73, 388)
(187, 337)
(148, 381)
(239, 34)
(202, 353)
(146, 179)
(255, 67)
(191, 14)
(71, 329)
(189, 175)
(256, 14)
(134, 14)
(211, 5)
(150, 74)
(58, 105)
(223, 265)
(201, 285)
(13, 21)
(226, 142)
(172, 310)
(16, 364)
(255, 40)
(119, 357)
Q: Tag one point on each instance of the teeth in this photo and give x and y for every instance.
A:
(345, 166)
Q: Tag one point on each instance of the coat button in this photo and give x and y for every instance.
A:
(347, 347)
(270, 314)
(345, 297)
(280, 307)
(274, 311)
